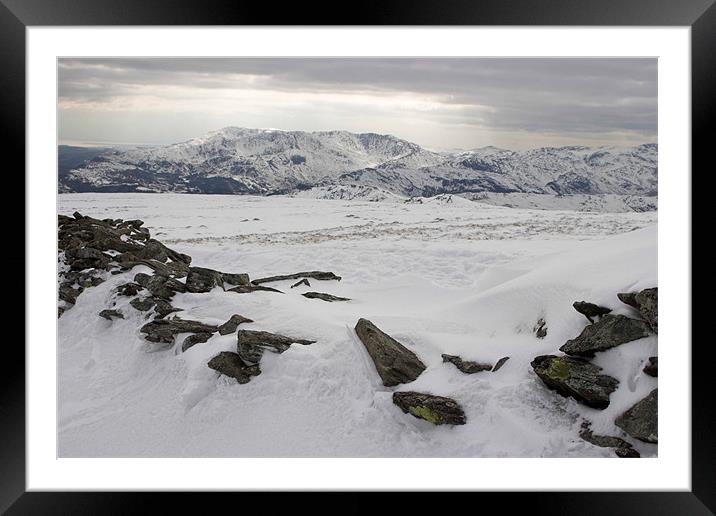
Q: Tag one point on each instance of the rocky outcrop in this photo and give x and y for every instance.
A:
(394, 362)
(641, 420)
(230, 364)
(233, 323)
(466, 366)
(252, 343)
(438, 410)
(196, 338)
(608, 332)
(652, 367)
(590, 310)
(319, 275)
(647, 302)
(576, 378)
(324, 297)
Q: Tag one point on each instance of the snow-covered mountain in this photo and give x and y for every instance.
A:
(262, 161)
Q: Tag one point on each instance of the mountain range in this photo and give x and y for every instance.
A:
(266, 162)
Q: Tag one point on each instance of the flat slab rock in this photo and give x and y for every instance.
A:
(111, 314)
(324, 297)
(576, 378)
(319, 275)
(233, 323)
(164, 330)
(466, 366)
(196, 338)
(608, 332)
(394, 362)
(247, 289)
(252, 343)
(230, 364)
(438, 410)
(641, 420)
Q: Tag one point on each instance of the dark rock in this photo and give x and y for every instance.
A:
(623, 448)
(647, 302)
(246, 289)
(162, 307)
(641, 420)
(235, 279)
(324, 297)
(500, 363)
(143, 304)
(196, 338)
(577, 378)
(608, 332)
(129, 289)
(110, 314)
(85, 258)
(252, 343)
(540, 328)
(154, 249)
(68, 293)
(230, 364)
(466, 366)
(394, 362)
(200, 279)
(319, 275)
(163, 330)
(60, 311)
(142, 279)
(77, 215)
(233, 323)
(438, 410)
(304, 281)
(590, 310)
(652, 368)
(164, 287)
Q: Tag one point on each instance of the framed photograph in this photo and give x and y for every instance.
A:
(419, 252)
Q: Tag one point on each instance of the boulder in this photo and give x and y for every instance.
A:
(319, 275)
(143, 304)
(252, 343)
(608, 332)
(230, 364)
(500, 363)
(304, 281)
(111, 314)
(394, 362)
(142, 279)
(652, 368)
(196, 338)
(438, 410)
(590, 310)
(200, 279)
(164, 287)
(235, 278)
(163, 330)
(641, 420)
(324, 297)
(466, 366)
(577, 378)
(233, 323)
(647, 302)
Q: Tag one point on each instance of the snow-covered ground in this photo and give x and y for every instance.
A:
(440, 276)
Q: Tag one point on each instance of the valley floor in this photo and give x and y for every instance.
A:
(456, 277)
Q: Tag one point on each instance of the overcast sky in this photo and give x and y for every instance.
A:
(440, 103)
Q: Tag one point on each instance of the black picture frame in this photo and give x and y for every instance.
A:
(700, 15)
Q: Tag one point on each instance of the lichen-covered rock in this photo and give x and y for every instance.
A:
(590, 310)
(196, 338)
(324, 297)
(394, 362)
(252, 343)
(230, 364)
(608, 332)
(233, 323)
(111, 314)
(319, 275)
(438, 410)
(500, 363)
(466, 366)
(577, 378)
(641, 420)
(652, 367)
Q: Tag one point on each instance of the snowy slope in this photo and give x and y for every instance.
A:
(261, 161)
(441, 276)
